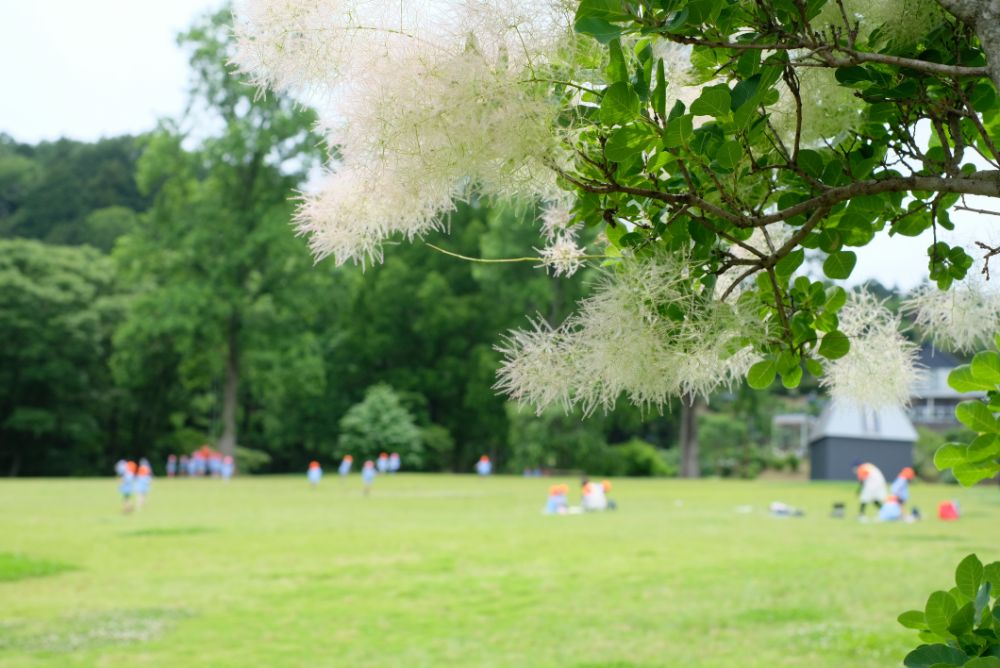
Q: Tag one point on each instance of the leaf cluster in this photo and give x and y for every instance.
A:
(733, 175)
(980, 459)
(961, 626)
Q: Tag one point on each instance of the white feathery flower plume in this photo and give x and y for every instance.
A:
(424, 104)
(962, 319)
(641, 334)
(562, 254)
(880, 368)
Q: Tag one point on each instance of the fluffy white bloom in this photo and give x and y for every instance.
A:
(962, 319)
(424, 103)
(642, 334)
(562, 256)
(880, 368)
(557, 221)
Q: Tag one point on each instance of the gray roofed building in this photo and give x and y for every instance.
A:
(844, 434)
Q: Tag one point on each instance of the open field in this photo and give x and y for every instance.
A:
(457, 571)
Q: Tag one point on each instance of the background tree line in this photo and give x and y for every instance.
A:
(153, 297)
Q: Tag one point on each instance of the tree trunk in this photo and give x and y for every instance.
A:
(689, 437)
(230, 392)
(15, 466)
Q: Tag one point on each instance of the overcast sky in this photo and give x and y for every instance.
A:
(87, 69)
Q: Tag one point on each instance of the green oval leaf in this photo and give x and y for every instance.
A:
(678, 131)
(938, 612)
(811, 162)
(976, 416)
(986, 367)
(628, 142)
(713, 101)
(791, 378)
(913, 619)
(983, 662)
(787, 265)
(949, 455)
(729, 154)
(834, 345)
(926, 656)
(839, 265)
(961, 380)
(762, 374)
(963, 620)
(619, 105)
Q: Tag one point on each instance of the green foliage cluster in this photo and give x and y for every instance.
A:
(980, 459)
(961, 626)
(752, 153)
(70, 192)
(381, 423)
(58, 306)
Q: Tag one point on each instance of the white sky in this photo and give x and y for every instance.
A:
(95, 68)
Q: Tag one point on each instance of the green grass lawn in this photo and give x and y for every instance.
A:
(459, 571)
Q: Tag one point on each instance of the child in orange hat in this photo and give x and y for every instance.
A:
(368, 475)
(557, 503)
(127, 486)
(345, 465)
(873, 487)
(315, 473)
(484, 467)
(383, 462)
(901, 486)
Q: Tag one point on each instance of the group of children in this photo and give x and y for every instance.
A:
(386, 463)
(135, 483)
(593, 498)
(205, 461)
(890, 501)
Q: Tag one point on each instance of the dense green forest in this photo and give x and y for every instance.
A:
(153, 297)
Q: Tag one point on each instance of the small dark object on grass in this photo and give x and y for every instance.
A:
(838, 510)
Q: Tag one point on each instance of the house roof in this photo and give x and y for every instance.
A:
(844, 420)
(932, 358)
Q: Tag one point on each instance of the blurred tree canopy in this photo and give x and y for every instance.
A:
(195, 315)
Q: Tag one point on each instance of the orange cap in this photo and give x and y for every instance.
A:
(314, 465)
(555, 490)
(130, 467)
(863, 472)
(383, 456)
(484, 458)
(907, 473)
(144, 470)
(892, 499)
(606, 485)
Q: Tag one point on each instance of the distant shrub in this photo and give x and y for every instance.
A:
(639, 458)
(380, 423)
